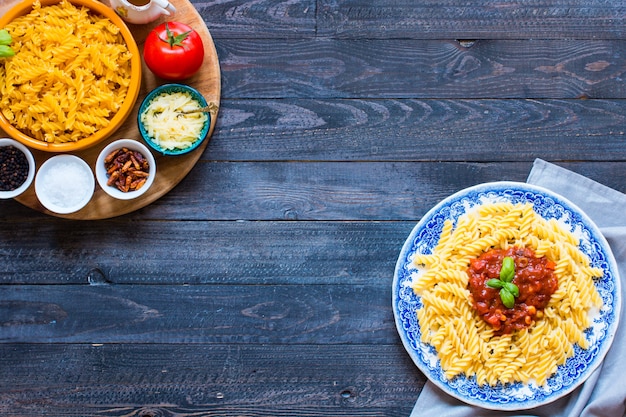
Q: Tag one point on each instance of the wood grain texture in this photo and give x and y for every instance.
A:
(261, 284)
(482, 19)
(342, 191)
(418, 130)
(233, 253)
(207, 380)
(328, 191)
(401, 19)
(222, 313)
(253, 19)
(406, 68)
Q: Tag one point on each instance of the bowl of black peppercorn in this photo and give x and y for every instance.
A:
(17, 168)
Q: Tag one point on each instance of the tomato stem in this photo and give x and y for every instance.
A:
(174, 40)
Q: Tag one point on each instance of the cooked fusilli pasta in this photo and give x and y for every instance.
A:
(465, 343)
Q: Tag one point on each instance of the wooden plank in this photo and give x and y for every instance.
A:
(419, 130)
(405, 68)
(481, 19)
(343, 191)
(230, 314)
(207, 380)
(327, 191)
(270, 253)
(275, 19)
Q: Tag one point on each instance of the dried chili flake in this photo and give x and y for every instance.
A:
(127, 170)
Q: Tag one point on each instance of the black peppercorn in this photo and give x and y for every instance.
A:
(13, 168)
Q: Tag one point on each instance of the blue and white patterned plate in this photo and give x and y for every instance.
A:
(577, 368)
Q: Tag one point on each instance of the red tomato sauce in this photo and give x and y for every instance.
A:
(534, 277)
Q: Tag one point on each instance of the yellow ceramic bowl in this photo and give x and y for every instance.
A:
(25, 7)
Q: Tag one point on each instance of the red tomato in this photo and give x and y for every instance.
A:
(173, 51)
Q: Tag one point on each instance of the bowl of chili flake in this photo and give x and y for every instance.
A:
(125, 169)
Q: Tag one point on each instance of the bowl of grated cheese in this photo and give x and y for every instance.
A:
(169, 119)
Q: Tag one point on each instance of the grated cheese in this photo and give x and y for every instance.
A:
(165, 124)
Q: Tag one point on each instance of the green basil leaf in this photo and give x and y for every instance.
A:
(5, 37)
(6, 51)
(507, 272)
(508, 277)
(512, 288)
(507, 298)
(494, 283)
(508, 263)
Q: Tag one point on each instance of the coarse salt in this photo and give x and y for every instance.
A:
(66, 184)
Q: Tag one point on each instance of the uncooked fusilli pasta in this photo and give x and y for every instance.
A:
(69, 76)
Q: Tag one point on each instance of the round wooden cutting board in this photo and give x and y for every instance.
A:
(170, 169)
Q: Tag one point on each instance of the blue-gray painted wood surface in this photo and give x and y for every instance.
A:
(261, 284)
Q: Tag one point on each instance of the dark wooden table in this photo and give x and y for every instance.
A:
(261, 284)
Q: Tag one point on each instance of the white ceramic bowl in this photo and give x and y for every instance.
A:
(64, 184)
(101, 174)
(31, 168)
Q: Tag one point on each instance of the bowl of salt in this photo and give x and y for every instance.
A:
(64, 184)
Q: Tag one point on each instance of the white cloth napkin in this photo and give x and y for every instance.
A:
(604, 393)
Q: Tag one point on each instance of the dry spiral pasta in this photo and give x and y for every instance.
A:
(69, 76)
(465, 343)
